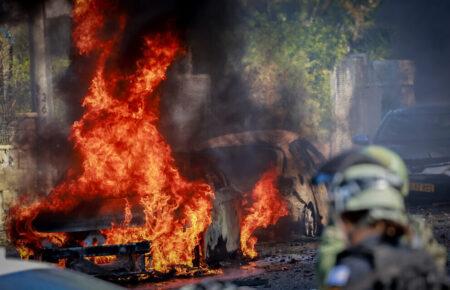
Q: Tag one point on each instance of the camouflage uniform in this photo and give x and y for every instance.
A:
(368, 202)
(332, 242)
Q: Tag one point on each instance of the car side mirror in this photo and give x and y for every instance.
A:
(361, 139)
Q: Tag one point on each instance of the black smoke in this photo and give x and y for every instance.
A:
(18, 10)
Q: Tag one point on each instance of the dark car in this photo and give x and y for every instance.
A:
(421, 136)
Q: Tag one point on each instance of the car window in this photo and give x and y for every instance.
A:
(306, 154)
(409, 127)
(53, 279)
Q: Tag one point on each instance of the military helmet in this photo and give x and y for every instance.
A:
(369, 187)
(367, 155)
(391, 161)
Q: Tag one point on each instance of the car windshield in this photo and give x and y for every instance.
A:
(418, 127)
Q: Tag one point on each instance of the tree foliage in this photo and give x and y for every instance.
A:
(284, 50)
(291, 47)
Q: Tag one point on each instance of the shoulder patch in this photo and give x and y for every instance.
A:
(338, 276)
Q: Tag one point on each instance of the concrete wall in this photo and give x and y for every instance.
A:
(363, 91)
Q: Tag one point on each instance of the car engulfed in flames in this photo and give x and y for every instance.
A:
(257, 177)
(122, 155)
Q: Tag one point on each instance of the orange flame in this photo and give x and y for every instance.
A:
(267, 209)
(121, 150)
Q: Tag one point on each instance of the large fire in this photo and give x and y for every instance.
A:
(266, 209)
(123, 155)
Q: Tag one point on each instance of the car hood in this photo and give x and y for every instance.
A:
(419, 157)
(415, 151)
(89, 215)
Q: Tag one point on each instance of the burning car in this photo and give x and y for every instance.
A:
(238, 161)
(232, 164)
(127, 206)
(123, 204)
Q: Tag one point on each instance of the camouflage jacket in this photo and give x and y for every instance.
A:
(421, 237)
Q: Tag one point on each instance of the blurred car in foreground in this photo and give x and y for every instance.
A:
(26, 275)
(421, 136)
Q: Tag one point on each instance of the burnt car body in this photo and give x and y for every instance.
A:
(421, 136)
(237, 161)
(232, 164)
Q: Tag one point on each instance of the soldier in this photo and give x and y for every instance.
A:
(409, 232)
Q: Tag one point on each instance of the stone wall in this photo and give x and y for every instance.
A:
(17, 167)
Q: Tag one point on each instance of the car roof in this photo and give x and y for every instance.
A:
(437, 108)
(8, 266)
(278, 138)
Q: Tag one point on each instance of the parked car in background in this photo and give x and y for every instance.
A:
(16, 274)
(421, 136)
